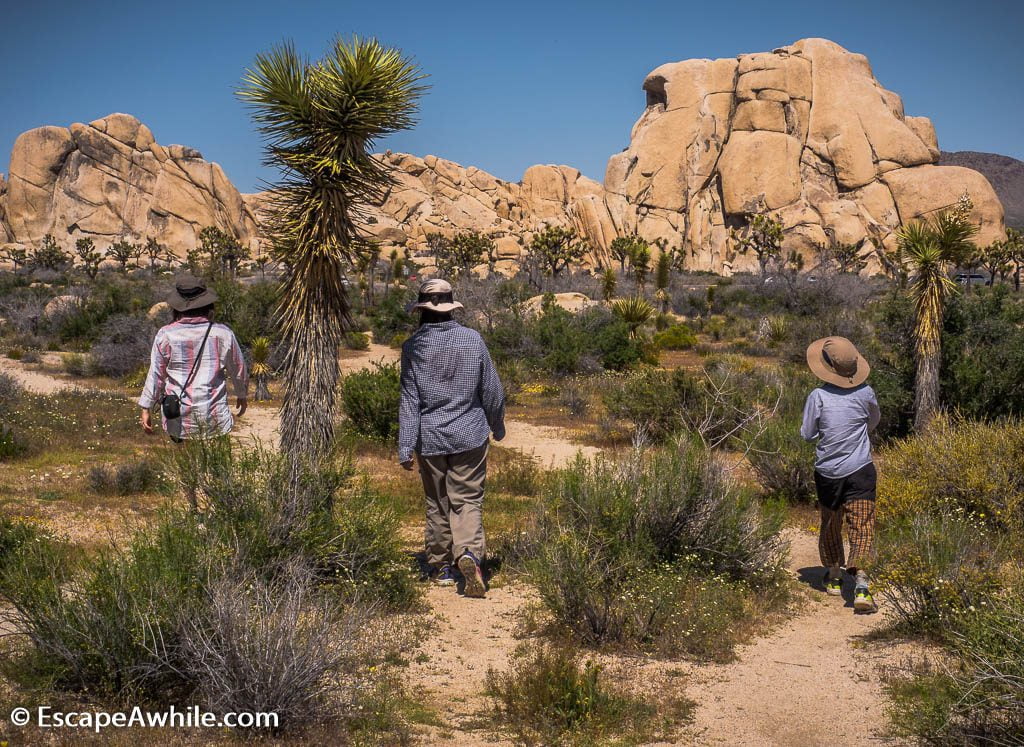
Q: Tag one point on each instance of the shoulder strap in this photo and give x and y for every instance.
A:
(199, 358)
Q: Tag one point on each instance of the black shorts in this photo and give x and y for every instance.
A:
(833, 492)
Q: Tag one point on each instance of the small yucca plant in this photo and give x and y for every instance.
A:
(261, 371)
(634, 311)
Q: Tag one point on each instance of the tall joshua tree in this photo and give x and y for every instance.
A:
(320, 120)
(929, 248)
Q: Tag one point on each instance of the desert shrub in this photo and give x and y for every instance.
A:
(675, 337)
(958, 467)
(389, 320)
(15, 535)
(934, 566)
(239, 605)
(277, 647)
(15, 353)
(783, 461)
(349, 539)
(31, 355)
(550, 696)
(106, 297)
(247, 308)
(133, 478)
(10, 390)
(357, 340)
(975, 694)
(983, 354)
(516, 474)
(648, 398)
(369, 399)
(573, 398)
(11, 443)
(123, 346)
(76, 364)
(672, 518)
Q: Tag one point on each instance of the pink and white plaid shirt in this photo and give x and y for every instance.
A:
(204, 407)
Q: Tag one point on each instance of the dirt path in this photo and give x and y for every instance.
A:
(812, 681)
(35, 381)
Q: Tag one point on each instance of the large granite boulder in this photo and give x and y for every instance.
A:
(805, 132)
(110, 179)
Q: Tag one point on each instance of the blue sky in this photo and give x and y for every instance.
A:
(512, 84)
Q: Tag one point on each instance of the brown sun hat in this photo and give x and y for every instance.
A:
(436, 295)
(190, 293)
(835, 360)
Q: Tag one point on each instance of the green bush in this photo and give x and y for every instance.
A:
(784, 462)
(76, 364)
(978, 696)
(11, 443)
(551, 697)
(357, 340)
(244, 605)
(389, 319)
(369, 398)
(668, 520)
(516, 474)
(676, 337)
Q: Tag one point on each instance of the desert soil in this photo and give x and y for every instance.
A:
(813, 680)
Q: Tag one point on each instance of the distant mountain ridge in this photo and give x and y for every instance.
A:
(1006, 175)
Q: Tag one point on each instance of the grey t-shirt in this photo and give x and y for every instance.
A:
(840, 420)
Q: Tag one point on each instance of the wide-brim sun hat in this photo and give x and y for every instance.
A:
(836, 360)
(190, 293)
(436, 295)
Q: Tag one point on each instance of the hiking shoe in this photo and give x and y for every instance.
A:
(833, 586)
(444, 576)
(863, 601)
(470, 568)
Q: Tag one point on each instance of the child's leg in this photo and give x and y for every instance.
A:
(830, 539)
(860, 526)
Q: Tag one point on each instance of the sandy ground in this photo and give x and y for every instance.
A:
(811, 681)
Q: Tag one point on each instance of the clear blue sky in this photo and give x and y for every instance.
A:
(512, 83)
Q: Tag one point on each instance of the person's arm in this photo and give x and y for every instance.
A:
(874, 412)
(408, 414)
(153, 389)
(492, 394)
(812, 411)
(233, 363)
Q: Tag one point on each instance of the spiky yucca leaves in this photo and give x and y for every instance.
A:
(634, 311)
(929, 248)
(260, 350)
(320, 121)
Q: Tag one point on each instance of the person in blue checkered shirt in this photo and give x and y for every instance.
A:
(452, 401)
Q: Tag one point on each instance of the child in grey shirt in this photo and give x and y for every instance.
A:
(840, 415)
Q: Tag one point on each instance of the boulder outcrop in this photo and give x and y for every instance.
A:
(804, 132)
(110, 179)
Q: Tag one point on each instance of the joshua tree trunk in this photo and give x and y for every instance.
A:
(926, 389)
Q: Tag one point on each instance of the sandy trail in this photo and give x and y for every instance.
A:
(812, 681)
(35, 381)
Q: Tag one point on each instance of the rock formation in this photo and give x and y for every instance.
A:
(804, 131)
(109, 180)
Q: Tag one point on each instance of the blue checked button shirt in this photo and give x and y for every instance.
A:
(452, 398)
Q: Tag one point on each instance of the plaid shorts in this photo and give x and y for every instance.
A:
(849, 499)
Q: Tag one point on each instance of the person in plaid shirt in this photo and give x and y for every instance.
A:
(451, 402)
(840, 416)
(176, 354)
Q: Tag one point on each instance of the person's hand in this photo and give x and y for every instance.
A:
(243, 405)
(147, 425)
(407, 465)
(499, 434)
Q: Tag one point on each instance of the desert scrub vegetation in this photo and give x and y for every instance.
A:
(239, 605)
(950, 565)
(551, 695)
(369, 399)
(658, 552)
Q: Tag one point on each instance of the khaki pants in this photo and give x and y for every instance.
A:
(454, 485)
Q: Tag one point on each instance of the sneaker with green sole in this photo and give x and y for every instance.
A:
(833, 586)
(863, 601)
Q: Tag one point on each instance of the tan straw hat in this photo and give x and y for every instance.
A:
(436, 295)
(835, 360)
(190, 293)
